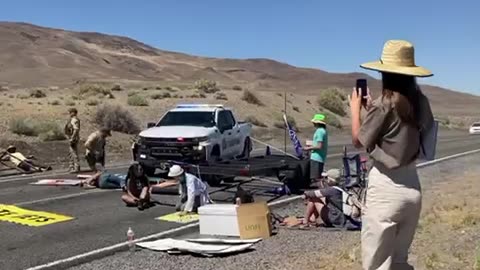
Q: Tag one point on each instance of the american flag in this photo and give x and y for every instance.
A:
(293, 137)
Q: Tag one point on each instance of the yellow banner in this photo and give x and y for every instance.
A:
(175, 217)
(12, 213)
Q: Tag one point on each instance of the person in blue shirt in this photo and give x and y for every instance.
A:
(193, 192)
(319, 147)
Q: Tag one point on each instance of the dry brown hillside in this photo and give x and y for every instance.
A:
(32, 56)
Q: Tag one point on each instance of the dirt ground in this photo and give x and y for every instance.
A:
(447, 237)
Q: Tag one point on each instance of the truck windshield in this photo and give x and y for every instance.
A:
(198, 119)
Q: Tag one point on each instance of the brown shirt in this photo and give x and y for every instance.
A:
(95, 142)
(389, 140)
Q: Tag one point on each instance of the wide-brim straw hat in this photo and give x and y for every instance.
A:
(319, 119)
(398, 57)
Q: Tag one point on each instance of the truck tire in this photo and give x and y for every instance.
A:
(149, 171)
(247, 148)
(296, 178)
(215, 154)
(212, 180)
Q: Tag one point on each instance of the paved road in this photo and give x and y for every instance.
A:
(100, 219)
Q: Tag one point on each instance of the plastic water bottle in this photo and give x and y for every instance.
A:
(130, 239)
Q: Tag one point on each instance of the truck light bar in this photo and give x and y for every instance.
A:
(199, 106)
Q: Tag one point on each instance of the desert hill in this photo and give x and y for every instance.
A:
(32, 56)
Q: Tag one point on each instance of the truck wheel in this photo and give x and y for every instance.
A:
(212, 180)
(215, 155)
(247, 148)
(149, 170)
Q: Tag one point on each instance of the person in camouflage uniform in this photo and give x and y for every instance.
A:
(72, 130)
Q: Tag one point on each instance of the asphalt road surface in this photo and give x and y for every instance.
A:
(101, 219)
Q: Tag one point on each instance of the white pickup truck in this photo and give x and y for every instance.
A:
(193, 133)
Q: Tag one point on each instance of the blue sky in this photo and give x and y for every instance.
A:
(335, 36)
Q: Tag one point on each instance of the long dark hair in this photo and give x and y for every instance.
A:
(136, 174)
(402, 93)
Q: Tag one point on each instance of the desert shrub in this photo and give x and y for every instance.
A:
(295, 108)
(4, 88)
(117, 119)
(23, 126)
(61, 98)
(331, 99)
(279, 94)
(168, 88)
(89, 90)
(161, 95)
(221, 96)
(132, 93)
(50, 131)
(251, 98)
(158, 88)
(116, 87)
(308, 102)
(281, 124)
(76, 98)
(55, 103)
(23, 96)
(69, 103)
(254, 121)
(92, 102)
(332, 120)
(145, 88)
(206, 86)
(11, 96)
(37, 93)
(46, 130)
(237, 88)
(137, 100)
(202, 95)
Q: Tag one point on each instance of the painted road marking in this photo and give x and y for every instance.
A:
(15, 214)
(175, 217)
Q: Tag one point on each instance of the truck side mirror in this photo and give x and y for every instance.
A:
(151, 124)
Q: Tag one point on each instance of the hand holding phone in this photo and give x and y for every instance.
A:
(362, 89)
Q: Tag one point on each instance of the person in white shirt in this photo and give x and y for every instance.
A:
(193, 192)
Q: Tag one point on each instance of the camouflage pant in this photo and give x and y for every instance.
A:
(73, 156)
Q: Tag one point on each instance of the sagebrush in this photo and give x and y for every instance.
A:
(254, 121)
(45, 130)
(206, 86)
(332, 100)
(251, 98)
(117, 119)
(137, 100)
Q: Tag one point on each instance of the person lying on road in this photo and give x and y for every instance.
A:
(193, 192)
(105, 180)
(25, 163)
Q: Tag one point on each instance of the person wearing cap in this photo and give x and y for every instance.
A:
(391, 132)
(193, 192)
(329, 202)
(25, 163)
(319, 148)
(95, 148)
(72, 130)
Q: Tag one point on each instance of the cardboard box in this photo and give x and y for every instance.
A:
(254, 220)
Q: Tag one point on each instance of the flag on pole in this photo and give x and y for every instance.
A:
(293, 137)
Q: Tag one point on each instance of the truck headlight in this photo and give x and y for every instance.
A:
(198, 147)
(201, 139)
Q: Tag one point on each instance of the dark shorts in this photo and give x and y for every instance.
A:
(316, 169)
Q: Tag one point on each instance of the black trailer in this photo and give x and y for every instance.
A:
(295, 173)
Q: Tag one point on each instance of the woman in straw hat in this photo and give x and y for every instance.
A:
(318, 146)
(390, 132)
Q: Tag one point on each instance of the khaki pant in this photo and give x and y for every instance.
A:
(73, 156)
(393, 205)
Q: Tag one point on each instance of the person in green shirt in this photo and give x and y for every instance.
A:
(319, 146)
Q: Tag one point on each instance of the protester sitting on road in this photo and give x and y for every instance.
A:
(25, 163)
(137, 192)
(392, 131)
(95, 148)
(319, 147)
(193, 192)
(106, 180)
(328, 204)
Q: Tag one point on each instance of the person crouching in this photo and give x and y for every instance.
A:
(193, 192)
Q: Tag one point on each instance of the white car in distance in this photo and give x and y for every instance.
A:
(474, 128)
